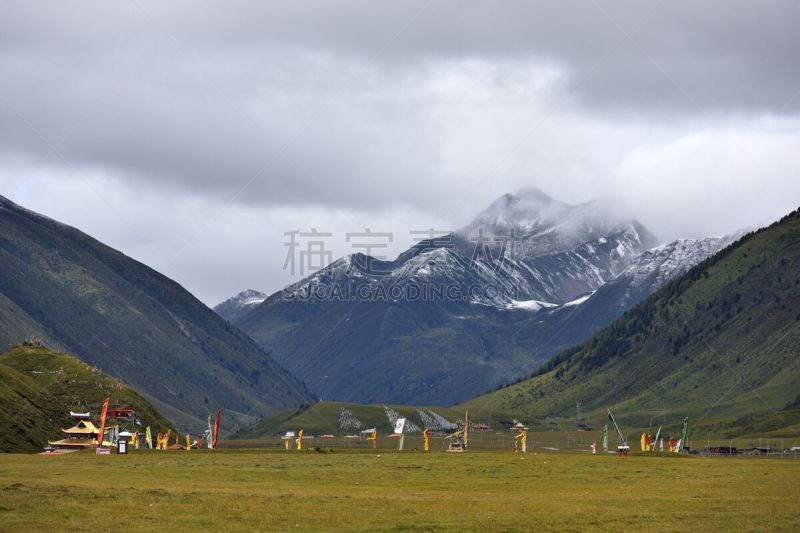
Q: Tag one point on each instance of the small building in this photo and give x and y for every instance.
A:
(81, 435)
(121, 412)
(722, 450)
(519, 426)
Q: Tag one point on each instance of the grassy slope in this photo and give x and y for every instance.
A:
(113, 312)
(233, 491)
(38, 388)
(718, 344)
(323, 417)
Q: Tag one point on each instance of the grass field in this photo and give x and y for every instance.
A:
(371, 491)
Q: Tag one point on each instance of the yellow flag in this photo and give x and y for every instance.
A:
(644, 442)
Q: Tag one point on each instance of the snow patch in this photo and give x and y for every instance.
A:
(529, 305)
(579, 301)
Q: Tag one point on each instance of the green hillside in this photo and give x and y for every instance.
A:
(82, 297)
(327, 418)
(720, 344)
(39, 387)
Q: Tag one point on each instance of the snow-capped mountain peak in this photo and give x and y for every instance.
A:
(543, 226)
(239, 305)
(529, 276)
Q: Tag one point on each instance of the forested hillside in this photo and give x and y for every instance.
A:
(721, 344)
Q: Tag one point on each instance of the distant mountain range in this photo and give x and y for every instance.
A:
(79, 296)
(462, 313)
(718, 344)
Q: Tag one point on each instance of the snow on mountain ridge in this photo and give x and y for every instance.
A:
(543, 226)
(529, 305)
(240, 304)
(560, 253)
(673, 258)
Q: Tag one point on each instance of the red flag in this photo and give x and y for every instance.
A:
(216, 428)
(102, 423)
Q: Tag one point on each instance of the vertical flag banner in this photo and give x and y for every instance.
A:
(300, 440)
(658, 433)
(148, 437)
(522, 437)
(682, 442)
(216, 428)
(605, 438)
(188, 442)
(425, 436)
(466, 428)
(210, 435)
(399, 425)
(102, 423)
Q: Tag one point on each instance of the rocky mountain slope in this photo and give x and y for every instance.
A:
(80, 296)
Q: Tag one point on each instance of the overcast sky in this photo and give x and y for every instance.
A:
(192, 136)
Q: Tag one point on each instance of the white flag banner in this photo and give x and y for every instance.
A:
(399, 425)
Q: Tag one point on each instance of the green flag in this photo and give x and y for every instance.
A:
(605, 438)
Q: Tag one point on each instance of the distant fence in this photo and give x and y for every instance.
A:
(538, 441)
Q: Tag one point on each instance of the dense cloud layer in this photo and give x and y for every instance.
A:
(263, 116)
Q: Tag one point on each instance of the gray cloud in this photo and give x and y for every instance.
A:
(348, 112)
(720, 54)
